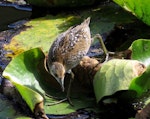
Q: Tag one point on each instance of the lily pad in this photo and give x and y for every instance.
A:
(140, 8)
(41, 32)
(141, 84)
(141, 51)
(28, 62)
(26, 71)
(23, 79)
(115, 75)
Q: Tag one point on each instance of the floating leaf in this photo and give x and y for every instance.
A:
(116, 75)
(41, 32)
(27, 73)
(22, 69)
(31, 97)
(141, 51)
(23, 79)
(140, 8)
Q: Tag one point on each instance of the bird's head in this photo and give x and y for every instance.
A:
(57, 70)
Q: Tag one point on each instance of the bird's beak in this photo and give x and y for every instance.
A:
(62, 87)
(61, 82)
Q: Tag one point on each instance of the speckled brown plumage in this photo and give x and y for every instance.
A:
(68, 49)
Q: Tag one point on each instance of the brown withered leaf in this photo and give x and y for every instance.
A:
(126, 54)
(39, 111)
(86, 70)
(144, 113)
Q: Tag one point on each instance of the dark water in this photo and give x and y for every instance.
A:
(10, 13)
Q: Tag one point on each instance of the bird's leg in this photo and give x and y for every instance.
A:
(98, 36)
(55, 103)
(69, 88)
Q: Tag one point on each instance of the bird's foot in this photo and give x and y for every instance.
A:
(60, 101)
(69, 101)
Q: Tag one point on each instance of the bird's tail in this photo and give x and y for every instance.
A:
(86, 21)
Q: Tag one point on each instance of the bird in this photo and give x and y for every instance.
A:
(67, 50)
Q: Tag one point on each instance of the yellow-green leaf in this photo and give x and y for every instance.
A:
(115, 75)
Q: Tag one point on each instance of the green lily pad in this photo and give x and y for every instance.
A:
(41, 32)
(115, 75)
(141, 51)
(27, 62)
(23, 79)
(26, 71)
(140, 8)
(31, 97)
(65, 108)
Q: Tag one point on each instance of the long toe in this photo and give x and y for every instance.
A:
(69, 101)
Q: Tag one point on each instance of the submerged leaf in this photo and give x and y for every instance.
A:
(8, 111)
(116, 75)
